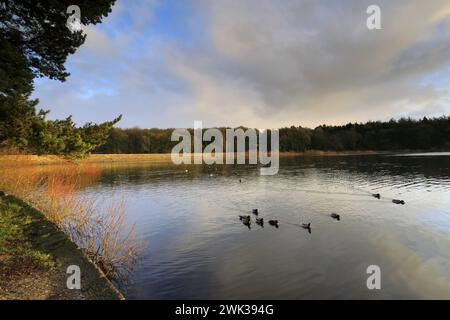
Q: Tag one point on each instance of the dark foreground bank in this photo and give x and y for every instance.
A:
(35, 256)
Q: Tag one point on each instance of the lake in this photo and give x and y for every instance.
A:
(197, 248)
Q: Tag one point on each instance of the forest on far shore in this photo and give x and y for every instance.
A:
(402, 134)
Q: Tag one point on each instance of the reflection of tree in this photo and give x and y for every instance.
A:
(437, 167)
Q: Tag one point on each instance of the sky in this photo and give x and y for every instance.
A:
(257, 63)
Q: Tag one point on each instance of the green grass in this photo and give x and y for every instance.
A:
(32, 247)
(17, 230)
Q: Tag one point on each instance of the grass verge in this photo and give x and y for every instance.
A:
(35, 254)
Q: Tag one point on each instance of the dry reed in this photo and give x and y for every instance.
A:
(102, 232)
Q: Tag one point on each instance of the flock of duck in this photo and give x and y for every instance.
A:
(246, 219)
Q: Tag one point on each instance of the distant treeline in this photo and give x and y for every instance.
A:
(406, 133)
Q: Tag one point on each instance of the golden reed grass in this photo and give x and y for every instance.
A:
(102, 232)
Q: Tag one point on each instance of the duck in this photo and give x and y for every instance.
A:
(246, 221)
(260, 221)
(273, 223)
(335, 216)
(244, 217)
(376, 195)
(255, 211)
(240, 180)
(2, 194)
(397, 201)
(306, 225)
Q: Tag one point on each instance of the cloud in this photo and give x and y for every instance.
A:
(315, 61)
(260, 63)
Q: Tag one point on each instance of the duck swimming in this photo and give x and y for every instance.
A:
(244, 217)
(396, 201)
(307, 226)
(255, 211)
(246, 221)
(335, 216)
(376, 195)
(273, 223)
(260, 221)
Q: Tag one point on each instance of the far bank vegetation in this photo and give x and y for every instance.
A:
(404, 134)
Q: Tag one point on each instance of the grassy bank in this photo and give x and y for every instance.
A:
(162, 157)
(166, 157)
(94, 158)
(35, 254)
(100, 229)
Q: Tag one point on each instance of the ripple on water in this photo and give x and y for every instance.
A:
(198, 248)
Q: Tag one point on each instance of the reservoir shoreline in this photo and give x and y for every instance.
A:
(35, 255)
(166, 157)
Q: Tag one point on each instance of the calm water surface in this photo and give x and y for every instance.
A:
(196, 247)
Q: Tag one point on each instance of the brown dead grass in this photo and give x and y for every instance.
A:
(103, 233)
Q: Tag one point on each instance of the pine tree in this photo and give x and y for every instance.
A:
(35, 42)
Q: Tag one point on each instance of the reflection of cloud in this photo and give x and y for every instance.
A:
(259, 63)
(424, 277)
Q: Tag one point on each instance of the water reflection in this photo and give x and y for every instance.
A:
(198, 247)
